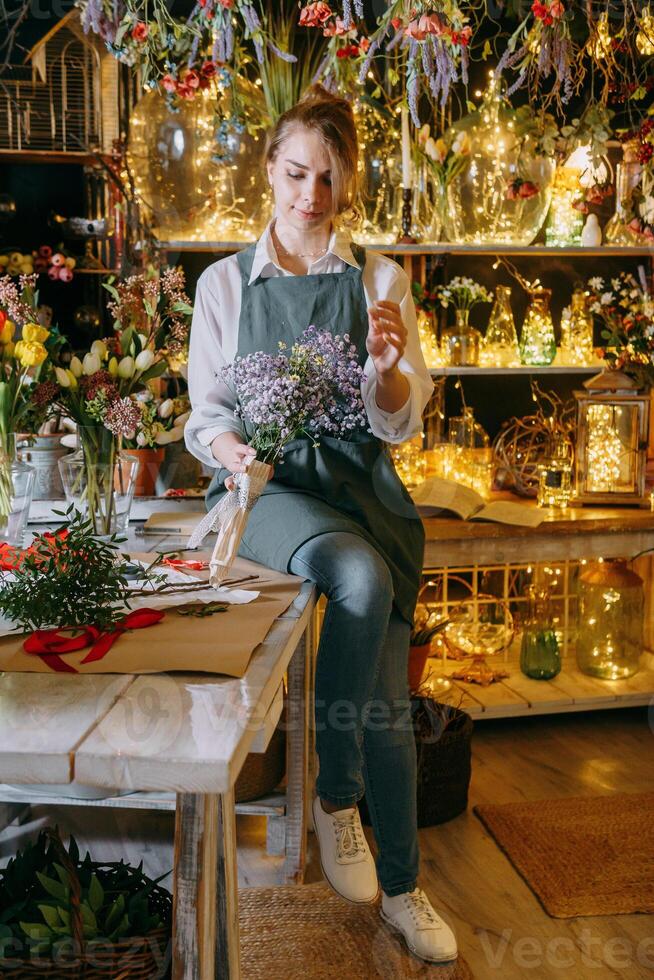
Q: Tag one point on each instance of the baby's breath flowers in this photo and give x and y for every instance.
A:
(463, 293)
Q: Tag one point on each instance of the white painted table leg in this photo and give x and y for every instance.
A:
(205, 889)
(297, 760)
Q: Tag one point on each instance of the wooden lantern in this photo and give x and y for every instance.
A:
(612, 431)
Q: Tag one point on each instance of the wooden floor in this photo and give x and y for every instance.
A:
(502, 930)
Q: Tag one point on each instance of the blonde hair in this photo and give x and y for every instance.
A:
(331, 117)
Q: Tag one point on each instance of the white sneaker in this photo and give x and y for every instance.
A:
(425, 933)
(345, 857)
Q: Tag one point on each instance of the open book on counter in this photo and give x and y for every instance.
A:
(438, 494)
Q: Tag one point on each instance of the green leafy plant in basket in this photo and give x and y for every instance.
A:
(53, 903)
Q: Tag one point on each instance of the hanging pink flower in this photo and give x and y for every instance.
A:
(192, 79)
(414, 31)
(336, 29)
(315, 14)
(65, 274)
(431, 24)
(557, 9)
(53, 272)
(140, 31)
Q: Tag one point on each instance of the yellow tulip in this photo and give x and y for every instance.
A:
(8, 349)
(7, 332)
(71, 378)
(31, 353)
(34, 333)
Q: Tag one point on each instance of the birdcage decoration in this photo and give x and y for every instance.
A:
(612, 433)
(64, 98)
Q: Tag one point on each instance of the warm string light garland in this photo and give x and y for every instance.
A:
(605, 453)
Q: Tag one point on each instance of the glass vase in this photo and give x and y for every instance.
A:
(461, 343)
(610, 601)
(16, 486)
(539, 648)
(379, 198)
(628, 177)
(555, 477)
(500, 343)
(481, 206)
(564, 222)
(99, 480)
(537, 341)
(577, 331)
(426, 207)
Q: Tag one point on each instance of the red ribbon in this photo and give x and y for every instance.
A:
(49, 644)
(193, 564)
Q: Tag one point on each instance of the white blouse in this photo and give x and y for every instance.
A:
(214, 342)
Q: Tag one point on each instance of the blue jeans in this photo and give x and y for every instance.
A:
(364, 733)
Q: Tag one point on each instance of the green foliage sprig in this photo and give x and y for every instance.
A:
(69, 579)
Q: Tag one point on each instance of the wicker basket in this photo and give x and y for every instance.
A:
(136, 958)
(131, 958)
(444, 762)
(263, 771)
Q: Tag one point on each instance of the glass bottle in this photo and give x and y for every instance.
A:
(579, 330)
(628, 177)
(555, 477)
(426, 208)
(537, 341)
(610, 601)
(16, 486)
(539, 649)
(500, 344)
(461, 343)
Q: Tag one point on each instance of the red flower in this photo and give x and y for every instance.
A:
(315, 14)
(431, 24)
(45, 252)
(396, 22)
(349, 51)
(3, 319)
(539, 10)
(169, 83)
(528, 189)
(140, 31)
(192, 79)
(185, 91)
(364, 44)
(209, 69)
(227, 4)
(335, 29)
(580, 205)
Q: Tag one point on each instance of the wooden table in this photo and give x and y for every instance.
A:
(185, 733)
(579, 532)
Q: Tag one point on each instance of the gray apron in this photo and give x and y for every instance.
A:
(343, 484)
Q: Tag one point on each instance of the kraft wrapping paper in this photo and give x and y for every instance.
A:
(218, 644)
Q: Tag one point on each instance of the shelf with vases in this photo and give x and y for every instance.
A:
(522, 369)
(446, 248)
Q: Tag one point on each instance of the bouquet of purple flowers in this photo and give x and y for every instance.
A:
(315, 388)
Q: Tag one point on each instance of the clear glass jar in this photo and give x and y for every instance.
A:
(478, 208)
(500, 343)
(380, 176)
(426, 205)
(537, 341)
(16, 486)
(564, 222)
(555, 477)
(461, 344)
(539, 648)
(577, 331)
(99, 480)
(610, 602)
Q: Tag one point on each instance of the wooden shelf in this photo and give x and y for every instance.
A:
(445, 248)
(570, 690)
(521, 369)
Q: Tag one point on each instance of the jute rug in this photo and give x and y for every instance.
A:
(306, 932)
(581, 856)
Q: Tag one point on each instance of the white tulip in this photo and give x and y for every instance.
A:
(165, 410)
(99, 348)
(69, 440)
(141, 439)
(182, 419)
(126, 367)
(62, 377)
(144, 340)
(91, 364)
(144, 360)
(76, 366)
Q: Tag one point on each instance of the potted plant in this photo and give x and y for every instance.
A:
(161, 425)
(61, 914)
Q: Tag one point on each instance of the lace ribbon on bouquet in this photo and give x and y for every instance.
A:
(229, 518)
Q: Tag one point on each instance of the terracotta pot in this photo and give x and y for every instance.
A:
(417, 663)
(150, 461)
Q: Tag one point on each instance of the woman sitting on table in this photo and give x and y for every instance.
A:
(338, 514)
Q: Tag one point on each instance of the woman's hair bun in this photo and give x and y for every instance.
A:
(317, 95)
